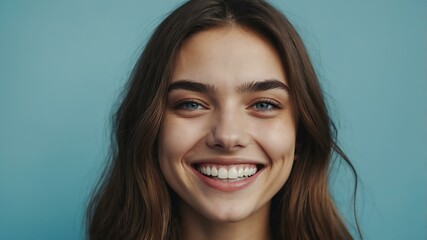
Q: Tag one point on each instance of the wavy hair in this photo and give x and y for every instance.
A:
(132, 199)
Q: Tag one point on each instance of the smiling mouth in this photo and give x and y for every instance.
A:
(228, 173)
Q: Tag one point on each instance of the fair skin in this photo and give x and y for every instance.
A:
(227, 141)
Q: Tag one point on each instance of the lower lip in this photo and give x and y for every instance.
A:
(226, 186)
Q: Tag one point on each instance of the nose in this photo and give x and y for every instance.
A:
(228, 133)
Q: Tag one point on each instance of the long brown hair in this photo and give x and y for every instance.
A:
(133, 201)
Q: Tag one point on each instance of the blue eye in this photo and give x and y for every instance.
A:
(266, 105)
(263, 106)
(189, 105)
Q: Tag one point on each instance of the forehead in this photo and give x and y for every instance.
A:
(229, 54)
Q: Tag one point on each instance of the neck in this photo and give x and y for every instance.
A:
(195, 226)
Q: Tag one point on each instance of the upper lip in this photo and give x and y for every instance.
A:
(226, 161)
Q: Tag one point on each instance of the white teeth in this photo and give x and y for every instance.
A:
(240, 172)
(231, 173)
(246, 172)
(214, 172)
(222, 173)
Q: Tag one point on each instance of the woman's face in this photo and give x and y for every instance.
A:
(227, 140)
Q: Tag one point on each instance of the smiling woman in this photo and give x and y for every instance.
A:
(223, 133)
(236, 133)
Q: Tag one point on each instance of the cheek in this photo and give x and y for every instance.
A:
(177, 137)
(277, 140)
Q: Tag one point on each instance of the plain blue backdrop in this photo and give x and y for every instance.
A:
(63, 63)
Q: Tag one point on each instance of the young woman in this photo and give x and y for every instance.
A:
(222, 133)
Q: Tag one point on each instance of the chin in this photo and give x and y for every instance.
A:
(231, 212)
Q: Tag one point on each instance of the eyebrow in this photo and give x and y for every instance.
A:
(191, 86)
(257, 86)
(254, 86)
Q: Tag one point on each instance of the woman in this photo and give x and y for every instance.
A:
(223, 132)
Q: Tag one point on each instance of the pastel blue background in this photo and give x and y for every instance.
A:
(62, 64)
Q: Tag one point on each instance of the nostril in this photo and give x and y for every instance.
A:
(218, 145)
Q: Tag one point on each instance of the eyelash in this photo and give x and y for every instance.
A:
(181, 104)
(271, 105)
(274, 104)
